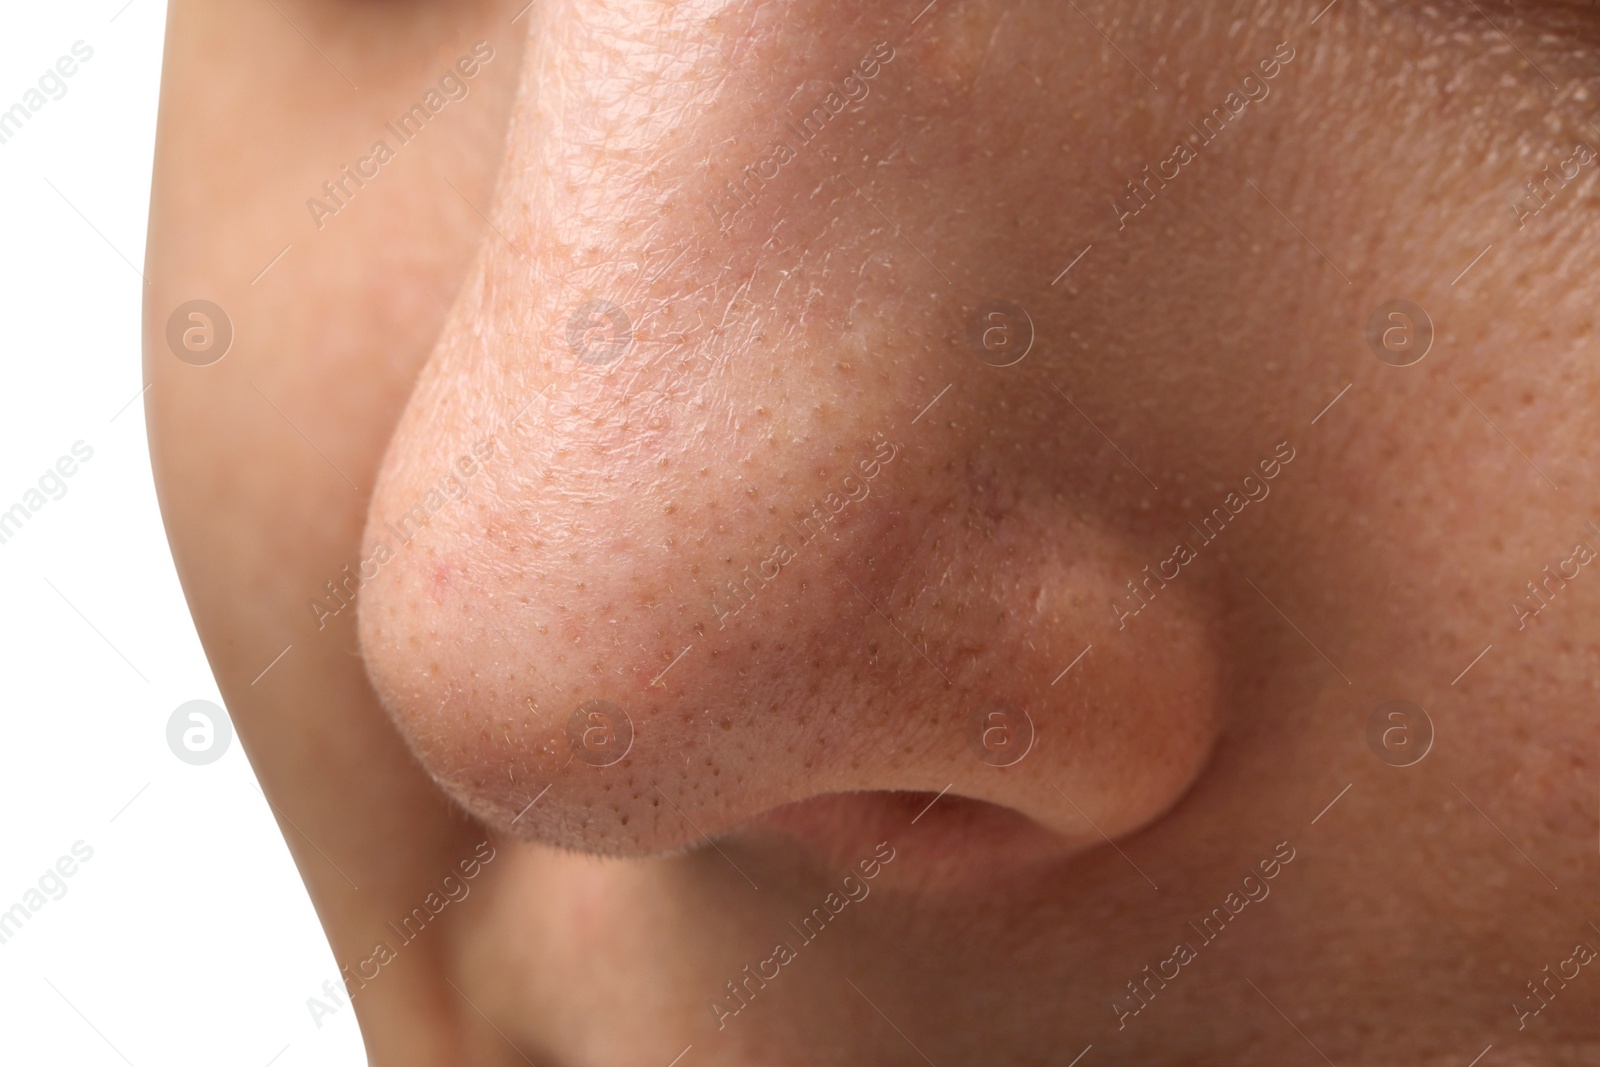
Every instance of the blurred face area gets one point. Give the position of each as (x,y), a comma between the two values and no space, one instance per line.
(992,532)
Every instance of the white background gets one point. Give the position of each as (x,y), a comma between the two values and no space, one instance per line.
(187,937)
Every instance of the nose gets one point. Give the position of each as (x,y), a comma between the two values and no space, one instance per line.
(704,508)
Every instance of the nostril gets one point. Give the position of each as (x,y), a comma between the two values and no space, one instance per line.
(954,837)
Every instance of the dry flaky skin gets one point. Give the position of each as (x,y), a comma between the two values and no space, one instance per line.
(795,371)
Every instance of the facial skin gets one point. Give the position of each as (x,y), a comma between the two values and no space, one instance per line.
(697,537)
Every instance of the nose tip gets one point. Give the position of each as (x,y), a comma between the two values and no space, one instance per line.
(701,654)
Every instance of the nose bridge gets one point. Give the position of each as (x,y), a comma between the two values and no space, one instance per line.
(627,348)
(612,122)
(594,270)
(654,141)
